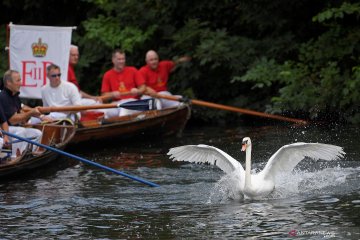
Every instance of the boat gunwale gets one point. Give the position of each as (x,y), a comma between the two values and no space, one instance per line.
(155,117)
(134,119)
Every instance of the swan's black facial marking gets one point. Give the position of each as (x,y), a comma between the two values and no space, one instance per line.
(244,142)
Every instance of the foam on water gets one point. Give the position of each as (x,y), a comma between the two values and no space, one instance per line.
(328,181)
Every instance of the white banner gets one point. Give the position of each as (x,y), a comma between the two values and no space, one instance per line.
(32,49)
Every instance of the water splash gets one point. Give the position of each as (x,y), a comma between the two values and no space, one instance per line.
(226,188)
(329,181)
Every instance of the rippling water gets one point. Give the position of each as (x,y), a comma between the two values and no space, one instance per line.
(68,200)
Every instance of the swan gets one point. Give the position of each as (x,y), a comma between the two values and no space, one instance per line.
(263,183)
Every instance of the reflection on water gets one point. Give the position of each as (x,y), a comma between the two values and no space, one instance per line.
(74,201)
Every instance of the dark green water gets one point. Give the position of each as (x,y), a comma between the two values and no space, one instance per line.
(73,201)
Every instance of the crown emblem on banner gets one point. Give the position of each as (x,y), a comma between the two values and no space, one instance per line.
(39,49)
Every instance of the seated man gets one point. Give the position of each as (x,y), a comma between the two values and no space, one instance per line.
(156,75)
(57,93)
(86,99)
(14,113)
(123,83)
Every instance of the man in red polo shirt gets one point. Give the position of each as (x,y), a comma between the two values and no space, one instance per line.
(156,74)
(123,83)
(73,61)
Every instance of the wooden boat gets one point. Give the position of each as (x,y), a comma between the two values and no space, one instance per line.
(56,135)
(148,123)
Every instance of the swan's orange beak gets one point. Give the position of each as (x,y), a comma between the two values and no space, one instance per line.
(243,147)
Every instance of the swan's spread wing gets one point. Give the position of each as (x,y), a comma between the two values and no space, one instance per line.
(288,156)
(205,154)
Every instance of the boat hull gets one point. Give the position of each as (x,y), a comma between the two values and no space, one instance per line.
(57,136)
(150,123)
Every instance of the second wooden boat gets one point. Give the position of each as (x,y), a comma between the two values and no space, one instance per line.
(148,123)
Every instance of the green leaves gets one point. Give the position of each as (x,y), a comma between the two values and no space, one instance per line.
(338,13)
(263,73)
(110,33)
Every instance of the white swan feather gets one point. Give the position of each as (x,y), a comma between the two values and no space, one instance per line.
(205,154)
(288,156)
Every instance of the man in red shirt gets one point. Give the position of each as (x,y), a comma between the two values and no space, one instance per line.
(123,83)
(73,61)
(156,74)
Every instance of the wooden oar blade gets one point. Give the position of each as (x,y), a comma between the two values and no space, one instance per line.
(140,105)
(233,109)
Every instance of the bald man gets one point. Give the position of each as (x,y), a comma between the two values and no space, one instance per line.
(156,74)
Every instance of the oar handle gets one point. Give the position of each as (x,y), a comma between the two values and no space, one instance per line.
(168,97)
(76,108)
(83,160)
(233,109)
(140,105)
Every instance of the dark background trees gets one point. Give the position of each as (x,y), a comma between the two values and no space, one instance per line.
(298,57)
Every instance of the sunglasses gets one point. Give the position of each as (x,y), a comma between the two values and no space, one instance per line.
(55,75)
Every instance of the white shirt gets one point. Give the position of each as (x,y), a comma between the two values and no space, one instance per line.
(65,94)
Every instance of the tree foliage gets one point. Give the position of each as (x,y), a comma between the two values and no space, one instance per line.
(323,76)
(297,57)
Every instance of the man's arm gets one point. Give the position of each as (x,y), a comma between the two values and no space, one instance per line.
(180,60)
(150,91)
(74,95)
(24,116)
(183,59)
(141,89)
(86,95)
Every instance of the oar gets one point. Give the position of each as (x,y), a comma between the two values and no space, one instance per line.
(17,141)
(82,160)
(140,105)
(233,109)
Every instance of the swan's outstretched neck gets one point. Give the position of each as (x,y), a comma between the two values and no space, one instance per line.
(248,167)
(246,146)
